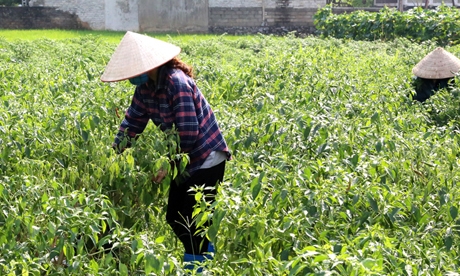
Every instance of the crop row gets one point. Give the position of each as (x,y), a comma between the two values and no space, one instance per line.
(335,171)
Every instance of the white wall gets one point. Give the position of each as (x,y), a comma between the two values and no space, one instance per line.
(115,15)
(176,16)
(90,11)
(122,15)
(158,15)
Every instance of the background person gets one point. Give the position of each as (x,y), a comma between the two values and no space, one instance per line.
(435,71)
(167,94)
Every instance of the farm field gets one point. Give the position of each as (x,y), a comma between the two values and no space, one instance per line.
(335,170)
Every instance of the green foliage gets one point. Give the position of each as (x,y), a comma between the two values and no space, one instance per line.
(441,25)
(57,125)
(362,3)
(350,3)
(9,3)
(335,170)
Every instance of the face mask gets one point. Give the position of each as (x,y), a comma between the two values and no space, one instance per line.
(141,79)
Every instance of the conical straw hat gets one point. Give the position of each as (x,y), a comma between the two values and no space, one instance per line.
(439,64)
(137,54)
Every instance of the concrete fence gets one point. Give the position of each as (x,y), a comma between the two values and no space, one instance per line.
(185,16)
(277,20)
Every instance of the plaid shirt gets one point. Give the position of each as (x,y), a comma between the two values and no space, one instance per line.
(176,100)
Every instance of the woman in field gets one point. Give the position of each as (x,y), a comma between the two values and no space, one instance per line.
(434,72)
(167,94)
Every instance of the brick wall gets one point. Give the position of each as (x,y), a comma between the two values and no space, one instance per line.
(263,16)
(251,20)
(251,17)
(266,3)
(289,16)
(235,3)
(236,17)
(38,18)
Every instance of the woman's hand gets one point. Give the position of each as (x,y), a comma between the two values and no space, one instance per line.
(159,176)
(117,149)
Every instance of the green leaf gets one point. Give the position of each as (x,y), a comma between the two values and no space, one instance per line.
(94,266)
(152,264)
(256,185)
(320,258)
(372,202)
(378,146)
(375,118)
(198,196)
(448,241)
(453,212)
(369,263)
(212,232)
(123,269)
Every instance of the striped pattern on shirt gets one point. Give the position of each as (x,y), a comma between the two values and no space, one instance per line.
(175,101)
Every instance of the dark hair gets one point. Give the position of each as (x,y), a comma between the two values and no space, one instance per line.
(179,64)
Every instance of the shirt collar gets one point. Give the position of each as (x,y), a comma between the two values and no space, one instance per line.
(152,85)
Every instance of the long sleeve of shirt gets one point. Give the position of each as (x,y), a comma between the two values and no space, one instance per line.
(136,118)
(176,102)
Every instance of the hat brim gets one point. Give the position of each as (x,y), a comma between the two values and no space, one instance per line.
(438,64)
(137,54)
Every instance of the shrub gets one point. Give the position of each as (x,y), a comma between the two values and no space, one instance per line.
(441,25)
(9,3)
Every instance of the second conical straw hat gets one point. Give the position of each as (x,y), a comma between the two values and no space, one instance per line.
(439,64)
(137,54)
